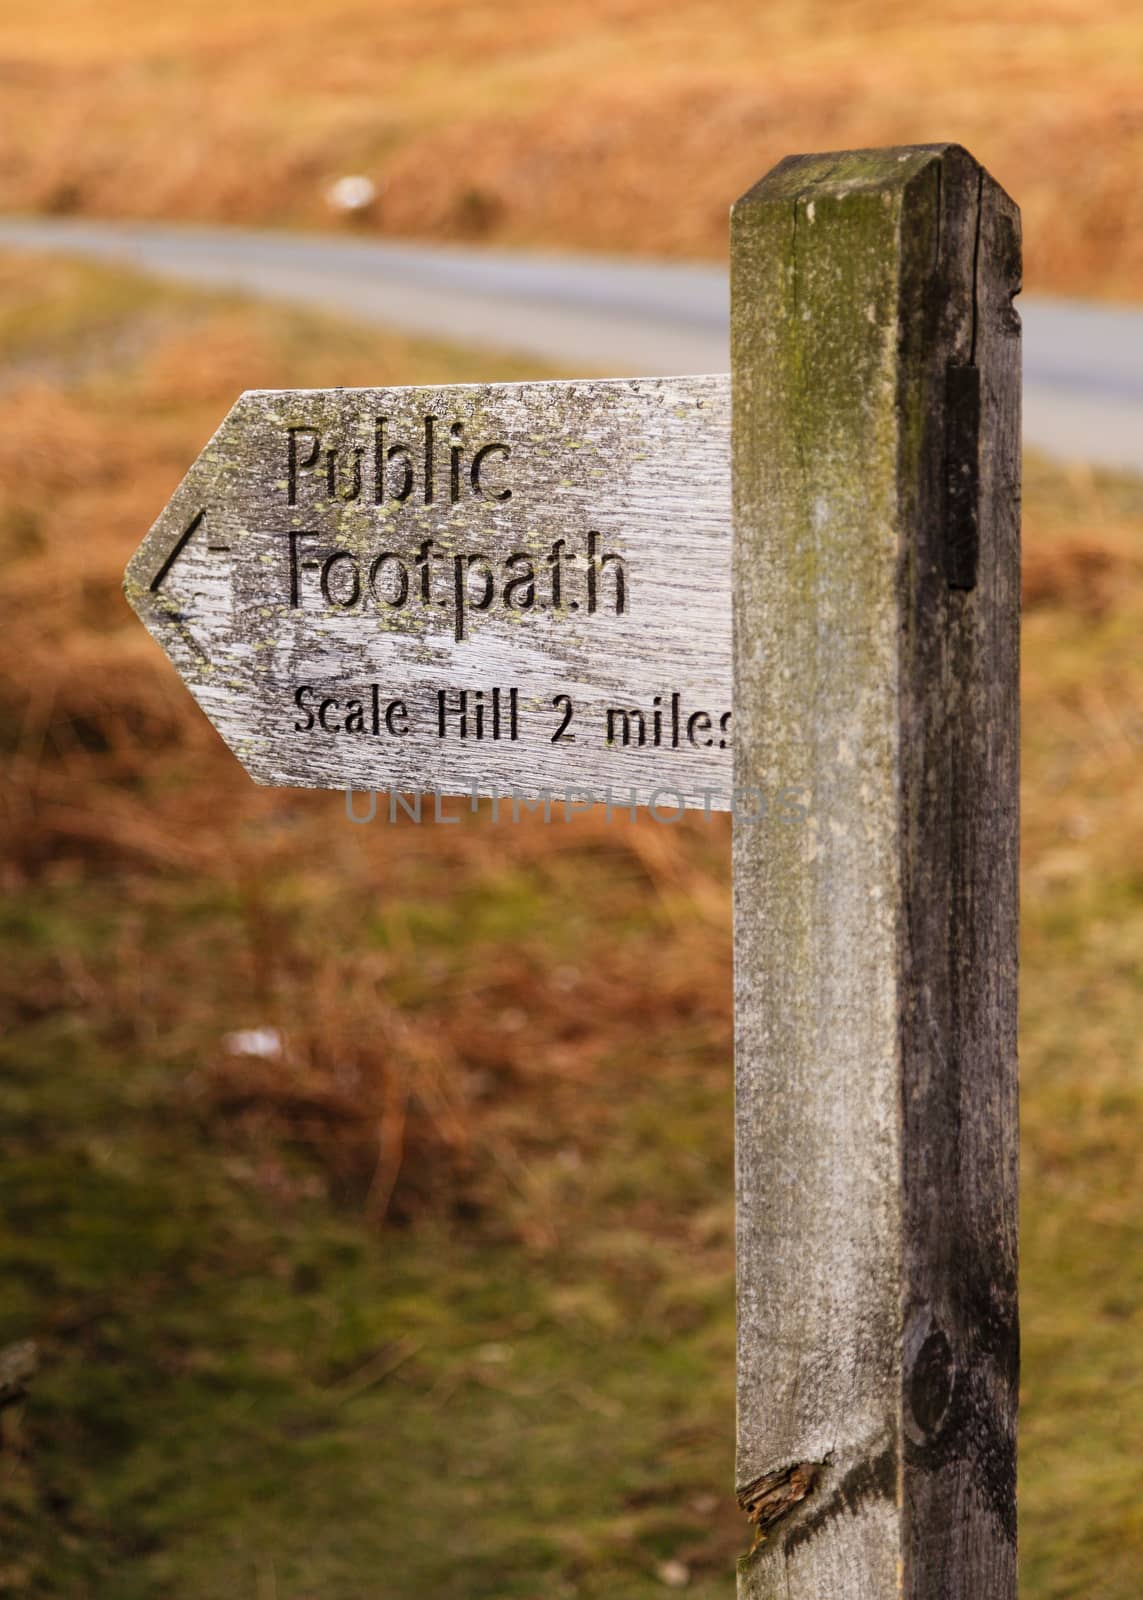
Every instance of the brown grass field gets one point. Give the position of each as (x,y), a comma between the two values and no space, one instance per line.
(445,1291)
(620,125)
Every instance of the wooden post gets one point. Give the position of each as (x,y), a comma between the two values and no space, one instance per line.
(876,440)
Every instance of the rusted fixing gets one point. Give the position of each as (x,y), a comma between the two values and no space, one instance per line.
(774,1494)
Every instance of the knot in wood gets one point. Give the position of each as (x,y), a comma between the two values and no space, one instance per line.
(774,1494)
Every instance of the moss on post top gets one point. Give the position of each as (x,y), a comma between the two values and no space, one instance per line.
(834,174)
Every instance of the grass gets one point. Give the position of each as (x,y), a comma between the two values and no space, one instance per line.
(244,1389)
(439,1299)
(632,124)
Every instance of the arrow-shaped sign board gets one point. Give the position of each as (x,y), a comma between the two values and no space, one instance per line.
(511,589)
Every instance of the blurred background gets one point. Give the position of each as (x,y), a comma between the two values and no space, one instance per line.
(366,1191)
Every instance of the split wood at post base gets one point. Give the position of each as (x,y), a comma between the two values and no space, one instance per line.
(876,398)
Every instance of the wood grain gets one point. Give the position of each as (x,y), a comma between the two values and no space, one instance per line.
(256,580)
(875,357)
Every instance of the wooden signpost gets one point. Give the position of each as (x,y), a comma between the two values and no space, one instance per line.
(504,589)
(528,590)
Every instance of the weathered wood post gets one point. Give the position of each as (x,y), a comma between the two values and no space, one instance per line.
(875,385)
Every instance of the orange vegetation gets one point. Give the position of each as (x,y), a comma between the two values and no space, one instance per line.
(410,1080)
(621,125)
(115,777)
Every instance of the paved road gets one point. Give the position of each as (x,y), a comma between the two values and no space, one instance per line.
(1083,365)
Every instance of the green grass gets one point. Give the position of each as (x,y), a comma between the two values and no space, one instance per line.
(1082,1244)
(244,1390)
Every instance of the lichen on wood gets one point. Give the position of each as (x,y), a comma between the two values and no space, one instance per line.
(875,660)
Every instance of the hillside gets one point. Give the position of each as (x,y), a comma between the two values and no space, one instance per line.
(628,125)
